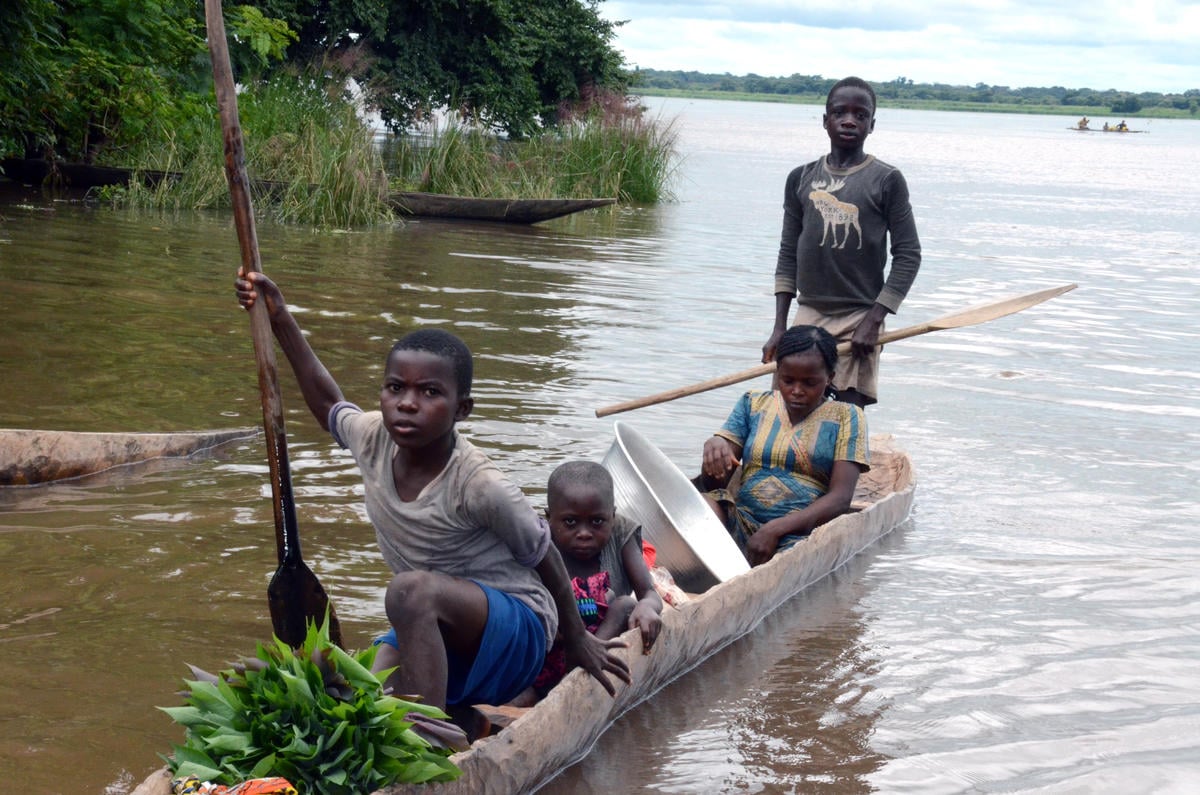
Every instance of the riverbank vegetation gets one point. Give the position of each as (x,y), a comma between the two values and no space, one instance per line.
(310,156)
(904,93)
(607,148)
(534,92)
(313,159)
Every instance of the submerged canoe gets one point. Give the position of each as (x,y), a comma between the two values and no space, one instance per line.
(29,457)
(560,729)
(81,176)
(513,211)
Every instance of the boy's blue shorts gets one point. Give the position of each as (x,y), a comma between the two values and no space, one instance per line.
(511,653)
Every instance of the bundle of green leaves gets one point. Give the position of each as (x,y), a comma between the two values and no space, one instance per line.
(316,716)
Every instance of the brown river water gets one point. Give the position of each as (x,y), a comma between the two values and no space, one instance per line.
(1034,626)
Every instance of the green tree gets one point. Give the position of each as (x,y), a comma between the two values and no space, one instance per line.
(506,64)
(1127,104)
(86,79)
(28,73)
(127,66)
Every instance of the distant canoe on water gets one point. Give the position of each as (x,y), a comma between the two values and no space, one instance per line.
(31,457)
(405,203)
(1109,129)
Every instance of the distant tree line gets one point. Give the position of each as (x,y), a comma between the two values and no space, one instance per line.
(905,89)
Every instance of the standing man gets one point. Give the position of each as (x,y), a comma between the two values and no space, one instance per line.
(838,215)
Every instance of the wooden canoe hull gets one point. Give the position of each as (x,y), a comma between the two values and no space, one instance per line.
(513,211)
(29,457)
(559,731)
(81,176)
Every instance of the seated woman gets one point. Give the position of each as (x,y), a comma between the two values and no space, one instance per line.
(800,451)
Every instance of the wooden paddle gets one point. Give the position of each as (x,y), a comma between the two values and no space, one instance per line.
(294,594)
(967,317)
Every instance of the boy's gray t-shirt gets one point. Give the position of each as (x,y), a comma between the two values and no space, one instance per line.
(470,521)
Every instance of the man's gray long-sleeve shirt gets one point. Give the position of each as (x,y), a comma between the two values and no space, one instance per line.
(834,247)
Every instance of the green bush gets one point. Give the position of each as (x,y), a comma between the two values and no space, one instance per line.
(610,149)
(310,159)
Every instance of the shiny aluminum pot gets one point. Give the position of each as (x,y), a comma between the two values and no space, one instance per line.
(690,540)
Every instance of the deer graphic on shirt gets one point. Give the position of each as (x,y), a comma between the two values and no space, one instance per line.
(834,213)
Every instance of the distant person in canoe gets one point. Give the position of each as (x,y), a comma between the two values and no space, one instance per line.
(1083,123)
(602,551)
(1122,126)
(478,591)
(840,214)
(787,460)
(1106,127)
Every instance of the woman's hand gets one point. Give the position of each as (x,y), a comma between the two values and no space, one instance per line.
(720,458)
(761,546)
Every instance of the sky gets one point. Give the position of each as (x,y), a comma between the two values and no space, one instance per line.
(1147,45)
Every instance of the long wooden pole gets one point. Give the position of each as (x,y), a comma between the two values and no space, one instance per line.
(967,317)
(295,595)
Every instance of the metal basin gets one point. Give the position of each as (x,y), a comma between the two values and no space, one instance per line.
(690,539)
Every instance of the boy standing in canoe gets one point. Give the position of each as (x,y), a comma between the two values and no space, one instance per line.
(478,590)
(838,215)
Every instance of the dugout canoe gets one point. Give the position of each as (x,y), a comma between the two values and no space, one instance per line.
(1109,129)
(30,457)
(543,740)
(80,176)
(469,208)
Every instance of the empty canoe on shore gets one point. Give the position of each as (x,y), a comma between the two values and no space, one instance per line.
(29,457)
(557,732)
(513,211)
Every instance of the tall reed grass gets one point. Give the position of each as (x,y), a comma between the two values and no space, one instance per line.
(311,159)
(611,149)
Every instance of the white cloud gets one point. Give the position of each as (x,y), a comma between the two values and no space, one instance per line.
(1146,46)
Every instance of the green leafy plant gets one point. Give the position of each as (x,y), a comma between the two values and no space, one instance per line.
(316,716)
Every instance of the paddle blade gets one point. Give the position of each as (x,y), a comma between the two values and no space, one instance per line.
(993,310)
(296,597)
(967,317)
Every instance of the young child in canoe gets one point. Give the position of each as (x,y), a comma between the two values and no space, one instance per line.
(478,591)
(799,450)
(603,555)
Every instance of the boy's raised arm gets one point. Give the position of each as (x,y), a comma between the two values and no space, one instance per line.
(320,391)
